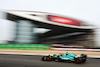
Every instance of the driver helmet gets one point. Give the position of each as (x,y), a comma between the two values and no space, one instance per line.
(66,53)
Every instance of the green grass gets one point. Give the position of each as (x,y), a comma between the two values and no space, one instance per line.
(25,46)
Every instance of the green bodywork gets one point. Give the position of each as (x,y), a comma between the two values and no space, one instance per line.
(68,56)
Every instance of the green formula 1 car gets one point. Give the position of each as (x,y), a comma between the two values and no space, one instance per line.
(66,57)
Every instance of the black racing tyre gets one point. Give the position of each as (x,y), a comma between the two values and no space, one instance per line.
(78,60)
(83,57)
(83,61)
(48,58)
(43,58)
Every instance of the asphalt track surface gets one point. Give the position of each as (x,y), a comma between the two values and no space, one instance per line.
(35,61)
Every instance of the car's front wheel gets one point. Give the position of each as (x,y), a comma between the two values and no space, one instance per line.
(84,57)
(43,58)
(46,58)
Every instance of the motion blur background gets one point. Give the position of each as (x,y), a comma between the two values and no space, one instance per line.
(85,10)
